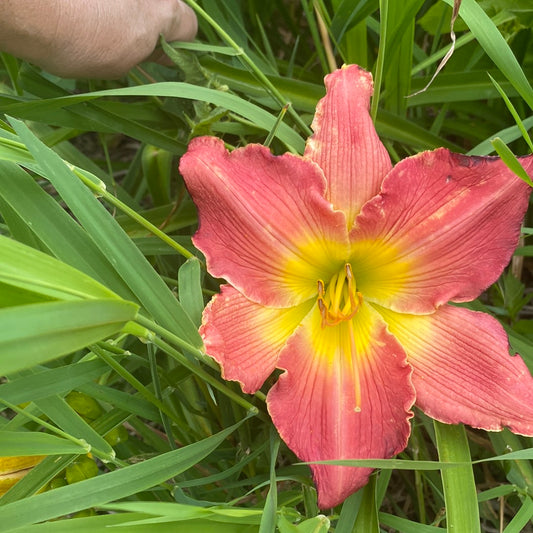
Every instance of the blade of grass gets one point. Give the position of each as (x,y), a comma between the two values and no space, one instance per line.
(462,511)
(496,47)
(35,333)
(190,289)
(367,517)
(37,478)
(406,526)
(34,109)
(248,62)
(349,512)
(130,522)
(111,239)
(35,271)
(378,73)
(268,518)
(63,416)
(507,135)
(513,112)
(15,443)
(46,382)
(522,518)
(83,446)
(109,487)
(55,228)
(510,160)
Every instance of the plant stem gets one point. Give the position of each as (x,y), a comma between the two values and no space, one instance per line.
(462,510)
(85,447)
(378,74)
(100,190)
(192,366)
(132,380)
(252,66)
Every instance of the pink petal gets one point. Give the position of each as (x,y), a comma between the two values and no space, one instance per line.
(315,404)
(443,228)
(245,338)
(345,143)
(462,370)
(264,223)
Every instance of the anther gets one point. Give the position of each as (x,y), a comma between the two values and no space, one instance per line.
(340,301)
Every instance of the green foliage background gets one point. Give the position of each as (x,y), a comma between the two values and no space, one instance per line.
(101,291)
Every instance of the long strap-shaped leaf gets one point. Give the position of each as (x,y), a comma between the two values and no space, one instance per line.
(257,115)
(128,261)
(35,333)
(496,47)
(31,270)
(108,487)
(24,204)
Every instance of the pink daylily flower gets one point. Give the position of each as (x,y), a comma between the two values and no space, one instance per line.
(340,270)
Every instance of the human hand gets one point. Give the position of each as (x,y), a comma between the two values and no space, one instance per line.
(95,38)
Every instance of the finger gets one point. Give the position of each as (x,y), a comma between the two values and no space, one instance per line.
(185,24)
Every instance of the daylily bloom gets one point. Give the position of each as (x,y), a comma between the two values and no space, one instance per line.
(13,469)
(341,270)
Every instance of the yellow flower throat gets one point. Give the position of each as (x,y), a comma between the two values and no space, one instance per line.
(339,301)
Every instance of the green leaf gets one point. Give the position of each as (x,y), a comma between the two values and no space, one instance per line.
(11,296)
(269,516)
(348,14)
(513,112)
(522,518)
(35,333)
(62,414)
(164,511)
(37,478)
(510,160)
(47,382)
(349,512)
(132,523)
(190,289)
(15,443)
(406,526)
(251,112)
(507,135)
(496,47)
(55,228)
(31,270)
(108,487)
(128,261)
(157,169)
(367,517)
(121,400)
(317,524)
(462,512)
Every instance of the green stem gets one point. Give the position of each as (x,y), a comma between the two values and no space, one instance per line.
(174,339)
(252,66)
(378,74)
(157,389)
(132,380)
(462,510)
(100,190)
(86,447)
(192,366)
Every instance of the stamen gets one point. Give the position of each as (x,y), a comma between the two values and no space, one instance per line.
(338,286)
(321,304)
(339,301)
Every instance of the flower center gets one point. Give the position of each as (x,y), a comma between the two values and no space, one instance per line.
(340,300)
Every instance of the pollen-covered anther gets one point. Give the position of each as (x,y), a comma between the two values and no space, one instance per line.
(339,301)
